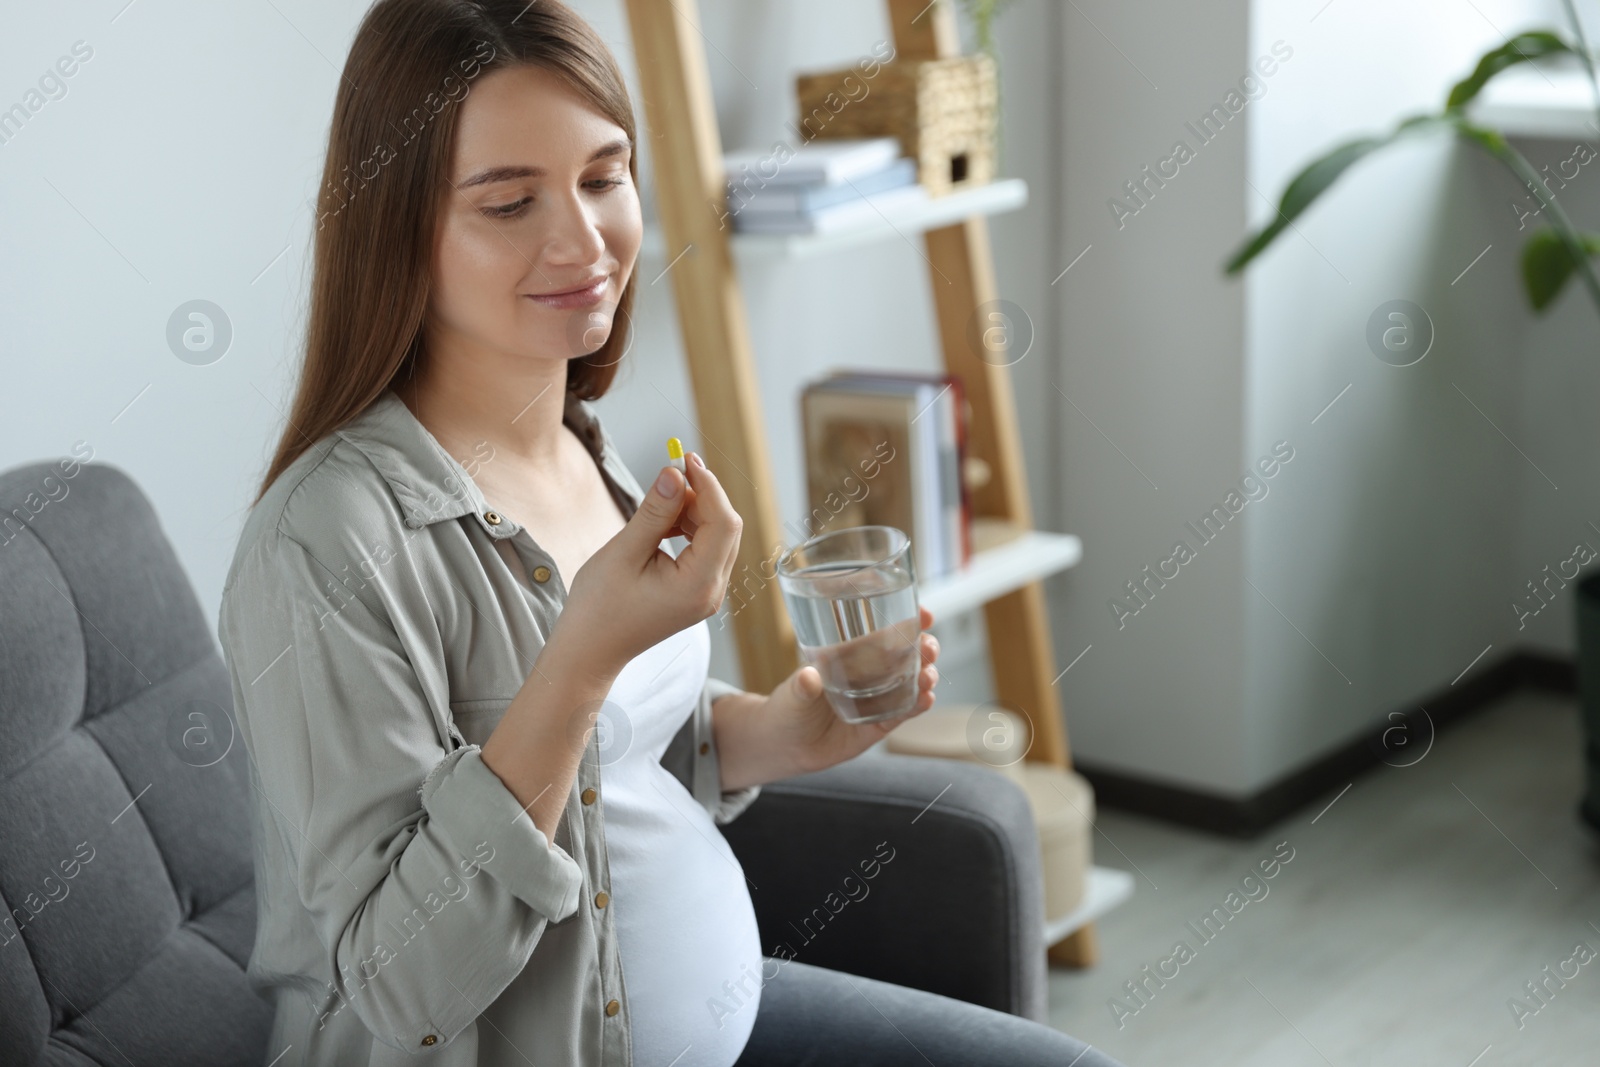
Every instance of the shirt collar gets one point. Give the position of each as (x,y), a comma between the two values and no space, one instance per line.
(429,483)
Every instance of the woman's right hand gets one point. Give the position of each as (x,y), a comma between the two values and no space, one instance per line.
(631,594)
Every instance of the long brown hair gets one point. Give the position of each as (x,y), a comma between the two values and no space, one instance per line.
(388,161)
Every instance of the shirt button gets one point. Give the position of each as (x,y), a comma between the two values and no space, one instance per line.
(601,898)
(492,518)
(612,1007)
(430,1040)
(705,746)
(541,574)
(588,796)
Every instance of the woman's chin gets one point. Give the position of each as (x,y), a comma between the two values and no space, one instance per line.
(587,334)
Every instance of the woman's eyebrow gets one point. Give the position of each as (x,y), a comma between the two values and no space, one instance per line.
(506,173)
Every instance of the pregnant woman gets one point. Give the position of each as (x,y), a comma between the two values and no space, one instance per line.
(487,758)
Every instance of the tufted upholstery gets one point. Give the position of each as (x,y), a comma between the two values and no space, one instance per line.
(128,922)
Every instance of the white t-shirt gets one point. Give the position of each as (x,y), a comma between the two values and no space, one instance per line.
(686,929)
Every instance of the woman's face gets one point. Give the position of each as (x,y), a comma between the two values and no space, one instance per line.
(542,204)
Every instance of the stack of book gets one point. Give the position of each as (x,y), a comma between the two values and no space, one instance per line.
(821,187)
(888,449)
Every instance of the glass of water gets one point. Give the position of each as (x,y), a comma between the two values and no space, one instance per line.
(852,595)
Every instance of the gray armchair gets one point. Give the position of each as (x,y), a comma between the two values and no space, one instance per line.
(958,909)
(125,860)
(125,863)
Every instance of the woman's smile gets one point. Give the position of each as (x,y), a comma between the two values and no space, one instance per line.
(574,298)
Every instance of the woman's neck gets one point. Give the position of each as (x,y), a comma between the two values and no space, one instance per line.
(518,409)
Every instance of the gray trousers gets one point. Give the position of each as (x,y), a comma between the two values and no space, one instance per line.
(815,1017)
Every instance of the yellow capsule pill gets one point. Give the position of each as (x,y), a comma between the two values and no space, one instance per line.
(675,453)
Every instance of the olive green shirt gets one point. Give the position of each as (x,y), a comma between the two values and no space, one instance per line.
(377,618)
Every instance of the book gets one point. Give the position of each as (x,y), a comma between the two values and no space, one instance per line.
(929,463)
(862,458)
(830,161)
(779,199)
(861,211)
(886,448)
(952,417)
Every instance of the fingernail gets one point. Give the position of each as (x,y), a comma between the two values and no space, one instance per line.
(664,483)
(695,457)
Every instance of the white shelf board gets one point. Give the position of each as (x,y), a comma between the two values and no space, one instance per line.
(1106,888)
(994,572)
(1006,194)
(1554,101)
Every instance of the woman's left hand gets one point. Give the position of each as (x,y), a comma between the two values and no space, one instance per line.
(804,726)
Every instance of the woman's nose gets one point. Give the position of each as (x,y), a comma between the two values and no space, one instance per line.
(573,232)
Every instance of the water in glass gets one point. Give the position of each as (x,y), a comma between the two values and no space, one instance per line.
(856,622)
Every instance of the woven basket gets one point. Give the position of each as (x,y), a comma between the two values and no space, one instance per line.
(942,110)
(1063,812)
(994,736)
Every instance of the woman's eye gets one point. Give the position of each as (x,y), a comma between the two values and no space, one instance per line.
(506,211)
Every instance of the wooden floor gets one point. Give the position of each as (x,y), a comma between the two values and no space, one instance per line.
(1413,912)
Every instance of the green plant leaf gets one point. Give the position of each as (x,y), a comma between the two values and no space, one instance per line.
(1535,44)
(1550,258)
(1547,265)
(1575,244)
(1315,179)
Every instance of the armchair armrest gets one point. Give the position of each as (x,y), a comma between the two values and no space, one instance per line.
(915,870)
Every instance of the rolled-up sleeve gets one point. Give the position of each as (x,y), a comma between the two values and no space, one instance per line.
(692,757)
(469,801)
(425,881)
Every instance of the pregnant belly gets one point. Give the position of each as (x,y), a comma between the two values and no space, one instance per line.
(691,951)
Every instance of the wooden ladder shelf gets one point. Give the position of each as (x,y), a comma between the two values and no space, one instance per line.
(687,152)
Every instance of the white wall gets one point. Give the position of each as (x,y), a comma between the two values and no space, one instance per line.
(177,166)
(1380,561)
(1153,359)
(1389,538)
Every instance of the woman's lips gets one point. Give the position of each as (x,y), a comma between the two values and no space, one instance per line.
(581,298)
